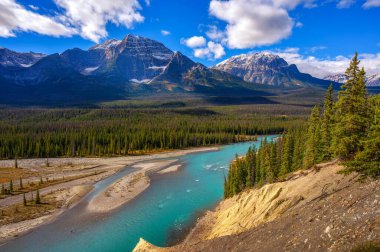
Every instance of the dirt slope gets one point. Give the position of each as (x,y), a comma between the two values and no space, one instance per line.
(315,210)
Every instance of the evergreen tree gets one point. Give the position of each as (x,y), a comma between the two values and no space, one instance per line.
(327,124)
(367,161)
(16,164)
(312,152)
(11,186)
(2,189)
(352,118)
(24,200)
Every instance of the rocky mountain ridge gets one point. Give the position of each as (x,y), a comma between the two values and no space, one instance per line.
(373,80)
(267,68)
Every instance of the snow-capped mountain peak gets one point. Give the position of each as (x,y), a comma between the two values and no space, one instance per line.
(112,43)
(372,80)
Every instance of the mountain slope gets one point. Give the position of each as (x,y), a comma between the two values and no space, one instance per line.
(9,58)
(267,68)
(191,76)
(129,67)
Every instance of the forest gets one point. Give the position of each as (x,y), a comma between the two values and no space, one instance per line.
(136,129)
(347,129)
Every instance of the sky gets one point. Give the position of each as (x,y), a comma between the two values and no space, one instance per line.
(319,36)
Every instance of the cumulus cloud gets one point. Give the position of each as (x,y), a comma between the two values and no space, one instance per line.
(252,23)
(323,67)
(215,34)
(342,4)
(194,42)
(165,32)
(15,17)
(91,17)
(371,4)
(86,18)
(212,51)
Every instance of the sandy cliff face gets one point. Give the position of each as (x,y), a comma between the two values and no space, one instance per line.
(316,209)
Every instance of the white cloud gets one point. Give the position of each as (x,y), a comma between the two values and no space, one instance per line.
(91,17)
(299,25)
(212,51)
(86,18)
(317,48)
(323,67)
(14,17)
(194,42)
(342,4)
(165,32)
(252,23)
(215,34)
(33,7)
(371,4)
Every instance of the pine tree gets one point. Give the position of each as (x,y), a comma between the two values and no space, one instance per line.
(11,186)
(367,161)
(24,200)
(351,112)
(38,199)
(16,164)
(2,189)
(327,124)
(313,139)
(287,156)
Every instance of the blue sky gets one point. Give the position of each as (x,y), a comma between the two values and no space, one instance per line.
(316,35)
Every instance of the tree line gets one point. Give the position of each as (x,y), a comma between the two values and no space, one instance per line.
(347,129)
(28,133)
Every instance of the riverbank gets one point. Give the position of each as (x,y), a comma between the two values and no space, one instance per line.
(18,219)
(316,210)
(93,171)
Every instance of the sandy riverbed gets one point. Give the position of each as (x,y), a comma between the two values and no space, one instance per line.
(119,193)
(128,187)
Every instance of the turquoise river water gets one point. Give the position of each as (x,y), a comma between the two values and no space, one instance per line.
(160,215)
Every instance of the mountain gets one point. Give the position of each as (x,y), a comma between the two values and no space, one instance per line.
(9,58)
(372,80)
(267,68)
(111,70)
(184,72)
(340,78)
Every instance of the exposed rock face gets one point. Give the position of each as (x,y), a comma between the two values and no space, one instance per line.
(9,58)
(265,68)
(133,58)
(136,58)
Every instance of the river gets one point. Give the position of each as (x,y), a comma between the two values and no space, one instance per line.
(164,212)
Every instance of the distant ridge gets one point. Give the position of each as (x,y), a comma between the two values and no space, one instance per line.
(267,68)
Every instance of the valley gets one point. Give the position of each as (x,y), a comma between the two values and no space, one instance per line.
(220,125)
